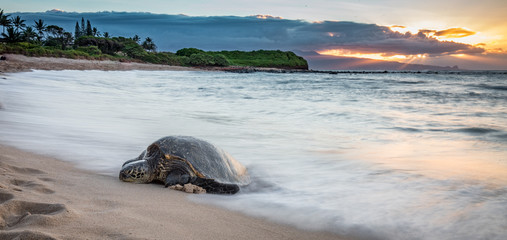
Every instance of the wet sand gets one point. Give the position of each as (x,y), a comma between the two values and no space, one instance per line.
(45,198)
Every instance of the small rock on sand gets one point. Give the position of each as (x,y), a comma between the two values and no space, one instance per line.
(188,188)
(176,187)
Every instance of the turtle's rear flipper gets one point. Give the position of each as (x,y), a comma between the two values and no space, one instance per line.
(213,186)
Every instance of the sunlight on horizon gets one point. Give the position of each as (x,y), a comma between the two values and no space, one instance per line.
(460,35)
(374,56)
(490,41)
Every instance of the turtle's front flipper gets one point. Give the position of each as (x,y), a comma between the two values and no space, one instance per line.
(213,186)
(177,177)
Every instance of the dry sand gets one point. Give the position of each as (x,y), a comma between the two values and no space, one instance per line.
(44,198)
(20,63)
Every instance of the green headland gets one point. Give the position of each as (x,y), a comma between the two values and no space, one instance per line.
(41,40)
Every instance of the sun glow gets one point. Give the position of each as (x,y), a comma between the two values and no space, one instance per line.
(489,41)
(404,29)
(265,16)
(374,56)
(443,33)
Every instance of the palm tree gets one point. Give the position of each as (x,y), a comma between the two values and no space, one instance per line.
(12,35)
(18,23)
(106,34)
(41,27)
(4,20)
(136,38)
(29,34)
(149,45)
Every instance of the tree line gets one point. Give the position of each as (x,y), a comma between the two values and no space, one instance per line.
(15,29)
(88,42)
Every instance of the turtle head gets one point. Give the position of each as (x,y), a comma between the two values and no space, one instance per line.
(136,172)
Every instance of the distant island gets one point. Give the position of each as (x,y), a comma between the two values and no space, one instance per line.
(87,42)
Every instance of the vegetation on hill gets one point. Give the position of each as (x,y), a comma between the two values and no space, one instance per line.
(264,58)
(88,43)
(260,58)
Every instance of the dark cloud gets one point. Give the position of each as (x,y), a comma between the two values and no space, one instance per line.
(173,32)
(371,38)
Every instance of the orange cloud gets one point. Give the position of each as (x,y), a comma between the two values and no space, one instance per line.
(428,32)
(264,16)
(454,33)
(374,56)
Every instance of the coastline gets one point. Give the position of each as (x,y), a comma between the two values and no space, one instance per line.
(21,63)
(44,198)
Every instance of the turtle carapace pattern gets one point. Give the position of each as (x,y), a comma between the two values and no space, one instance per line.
(182,159)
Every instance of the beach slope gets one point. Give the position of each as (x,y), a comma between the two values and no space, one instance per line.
(45,198)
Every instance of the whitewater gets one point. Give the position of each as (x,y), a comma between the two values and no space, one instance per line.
(370,156)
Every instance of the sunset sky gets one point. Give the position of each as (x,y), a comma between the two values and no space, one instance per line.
(476,31)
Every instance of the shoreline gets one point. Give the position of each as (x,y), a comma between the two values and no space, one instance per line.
(42,197)
(20,63)
(45,198)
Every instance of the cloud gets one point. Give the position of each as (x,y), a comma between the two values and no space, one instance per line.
(56,10)
(173,32)
(263,16)
(454,33)
(371,38)
(449,33)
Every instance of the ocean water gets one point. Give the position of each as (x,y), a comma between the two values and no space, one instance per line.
(370,156)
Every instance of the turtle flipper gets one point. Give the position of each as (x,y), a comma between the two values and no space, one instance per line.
(213,186)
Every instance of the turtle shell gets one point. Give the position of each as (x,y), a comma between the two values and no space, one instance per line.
(207,160)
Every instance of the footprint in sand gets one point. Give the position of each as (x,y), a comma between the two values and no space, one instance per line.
(22,170)
(27,170)
(15,214)
(25,235)
(31,185)
(4,197)
(46,179)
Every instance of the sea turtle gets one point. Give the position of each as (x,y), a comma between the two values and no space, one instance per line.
(182,159)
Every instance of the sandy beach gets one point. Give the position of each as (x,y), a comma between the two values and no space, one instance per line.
(45,198)
(20,63)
